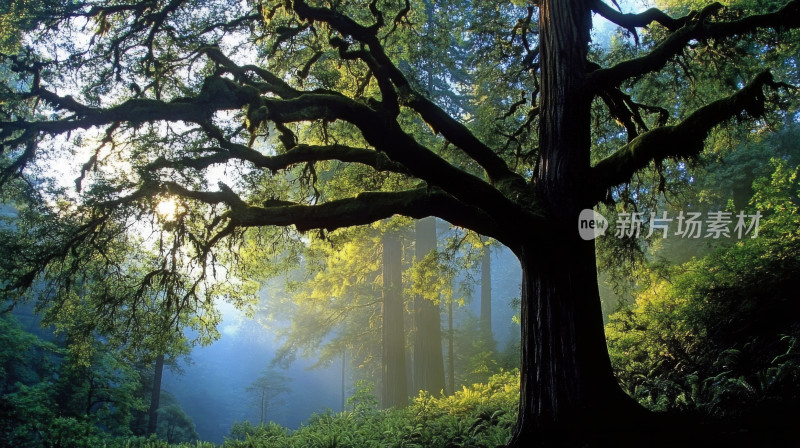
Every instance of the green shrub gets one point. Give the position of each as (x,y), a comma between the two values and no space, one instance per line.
(481,415)
(718,335)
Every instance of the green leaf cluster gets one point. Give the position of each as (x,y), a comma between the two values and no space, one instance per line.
(55,396)
(480,415)
(716,334)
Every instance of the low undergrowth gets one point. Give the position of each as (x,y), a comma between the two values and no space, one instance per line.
(479,416)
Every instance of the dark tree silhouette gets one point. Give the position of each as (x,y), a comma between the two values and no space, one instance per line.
(155,396)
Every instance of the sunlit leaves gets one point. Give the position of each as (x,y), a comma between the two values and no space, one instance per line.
(705,334)
(478,414)
(431,279)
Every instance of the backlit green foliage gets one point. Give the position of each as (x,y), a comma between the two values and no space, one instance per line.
(477,416)
(56,395)
(716,334)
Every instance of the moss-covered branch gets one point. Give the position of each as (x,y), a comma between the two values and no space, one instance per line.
(299,154)
(386,71)
(682,140)
(364,208)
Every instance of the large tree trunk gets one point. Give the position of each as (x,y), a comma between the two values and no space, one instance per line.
(428,359)
(395,393)
(568,391)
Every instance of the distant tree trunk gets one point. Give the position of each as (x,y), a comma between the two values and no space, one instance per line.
(152,420)
(451,368)
(742,192)
(394,391)
(409,358)
(344,353)
(263,406)
(486,291)
(428,360)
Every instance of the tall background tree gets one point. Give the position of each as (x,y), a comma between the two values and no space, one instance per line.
(427,357)
(393,337)
(250,115)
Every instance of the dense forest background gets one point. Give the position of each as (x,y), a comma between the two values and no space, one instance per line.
(210,384)
(181,294)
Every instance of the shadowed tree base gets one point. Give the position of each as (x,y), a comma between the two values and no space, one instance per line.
(626,426)
(616,415)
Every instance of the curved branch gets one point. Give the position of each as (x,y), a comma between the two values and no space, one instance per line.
(385,135)
(273,83)
(389,99)
(695,29)
(629,113)
(380,131)
(218,94)
(496,168)
(369,207)
(299,154)
(364,208)
(640,20)
(682,140)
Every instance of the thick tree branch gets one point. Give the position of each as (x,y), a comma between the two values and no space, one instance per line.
(698,28)
(332,106)
(682,140)
(458,134)
(299,154)
(380,131)
(389,99)
(629,113)
(272,83)
(218,94)
(640,20)
(386,135)
(369,207)
(364,208)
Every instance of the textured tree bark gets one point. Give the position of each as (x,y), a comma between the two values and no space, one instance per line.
(394,391)
(565,108)
(428,359)
(152,419)
(568,392)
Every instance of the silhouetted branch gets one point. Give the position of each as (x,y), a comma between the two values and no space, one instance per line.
(640,20)
(365,208)
(384,70)
(697,28)
(299,154)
